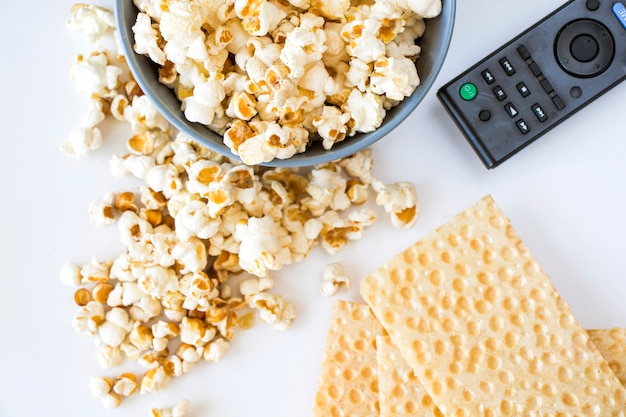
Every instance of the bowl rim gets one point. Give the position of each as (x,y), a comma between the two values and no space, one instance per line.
(348,147)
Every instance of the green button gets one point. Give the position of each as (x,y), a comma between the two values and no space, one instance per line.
(468,91)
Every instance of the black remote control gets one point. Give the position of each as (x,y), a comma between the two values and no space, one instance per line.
(540,78)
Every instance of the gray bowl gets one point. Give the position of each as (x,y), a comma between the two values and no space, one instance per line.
(435,43)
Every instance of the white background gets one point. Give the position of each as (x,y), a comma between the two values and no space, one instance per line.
(564,194)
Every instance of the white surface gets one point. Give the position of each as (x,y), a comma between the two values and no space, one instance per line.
(564,194)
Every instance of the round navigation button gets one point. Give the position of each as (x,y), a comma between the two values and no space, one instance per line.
(584,48)
(468,91)
(484,115)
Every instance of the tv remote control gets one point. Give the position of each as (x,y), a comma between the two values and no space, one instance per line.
(539,78)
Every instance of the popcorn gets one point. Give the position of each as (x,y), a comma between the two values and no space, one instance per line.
(93,21)
(366,109)
(147,39)
(102,213)
(179,410)
(70,274)
(95,76)
(115,328)
(396,78)
(400,200)
(125,385)
(333,278)
(101,389)
(195,219)
(273,310)
(82,140)
(95,271)
(155,380)
(89,318)
(263,245)
(199,218)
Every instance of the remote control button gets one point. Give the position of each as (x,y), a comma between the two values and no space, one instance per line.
(468,91)
(592,5)
(510,109)
(522,126)
(620,12)
(484,115)
(499,93)
(576,92)
(547,87)
(507,66)
(534,68)
(558,102)
(541,115)
(523,52)
(488,76)
(523,90)
(584,48)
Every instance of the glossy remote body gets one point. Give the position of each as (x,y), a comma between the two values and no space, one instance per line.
(539,78)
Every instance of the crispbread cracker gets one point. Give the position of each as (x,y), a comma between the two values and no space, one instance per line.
(612,345)
(348,381)
(401,394)
(485,330)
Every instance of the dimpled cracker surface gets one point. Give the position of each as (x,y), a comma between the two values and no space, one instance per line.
(348,381)
(612,344)
(401,393)
(483,327)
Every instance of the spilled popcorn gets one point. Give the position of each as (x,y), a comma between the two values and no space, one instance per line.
(273,76)
(197,219)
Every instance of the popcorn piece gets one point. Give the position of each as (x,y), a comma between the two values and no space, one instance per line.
(196,332)
(263,245)
(109,356)
(304,45)
(93,21)
(115,328)
(359,165)
(191,255)
(125,385)
(88,319)
(331,126)
(216,349)
(101,390)
(195,219)
(399,200)
(179,410)
(157,281)
(338,231)
(147,39)
(82,140)
(102,213)
(396,78)
(273,310)
(333,278)
(94,76)
(70,275)
(366,109)
(155,380)
(132,228)
(95,271)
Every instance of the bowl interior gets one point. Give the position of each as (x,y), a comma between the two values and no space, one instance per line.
(434,43)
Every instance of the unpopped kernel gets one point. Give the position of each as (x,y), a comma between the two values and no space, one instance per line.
(197,219)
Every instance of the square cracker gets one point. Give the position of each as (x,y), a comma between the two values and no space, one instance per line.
(348,380)
(484,329)
(401,394)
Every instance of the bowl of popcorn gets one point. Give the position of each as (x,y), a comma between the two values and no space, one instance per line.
(285,83)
